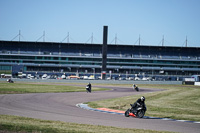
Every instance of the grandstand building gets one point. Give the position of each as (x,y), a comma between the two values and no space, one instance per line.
(37,58)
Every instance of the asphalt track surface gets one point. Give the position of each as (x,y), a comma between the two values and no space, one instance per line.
(62,107)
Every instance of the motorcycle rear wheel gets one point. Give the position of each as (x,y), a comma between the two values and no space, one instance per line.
(136,88)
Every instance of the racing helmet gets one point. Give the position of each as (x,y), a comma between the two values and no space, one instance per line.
(142,98)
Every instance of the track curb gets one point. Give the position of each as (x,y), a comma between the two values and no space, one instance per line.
(85,106)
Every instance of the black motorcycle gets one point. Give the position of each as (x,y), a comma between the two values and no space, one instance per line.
(138,111)
(10,81)
(88,89)
(135,87)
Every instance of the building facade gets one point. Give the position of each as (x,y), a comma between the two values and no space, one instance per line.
(86,59)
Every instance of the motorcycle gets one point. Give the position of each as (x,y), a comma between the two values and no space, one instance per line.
(135,87)
(138,111)
(10,81)
(88,89)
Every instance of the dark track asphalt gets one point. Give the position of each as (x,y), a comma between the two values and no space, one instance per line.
(62,107)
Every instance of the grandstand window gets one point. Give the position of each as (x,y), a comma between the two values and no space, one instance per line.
(39,57)
(55,58)
(46,53)
(5,67)
(47,58)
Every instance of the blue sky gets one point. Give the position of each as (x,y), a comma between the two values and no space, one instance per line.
(151,19)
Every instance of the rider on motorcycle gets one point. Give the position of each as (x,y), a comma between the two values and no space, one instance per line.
(10,80)
(89,89)
(139,102)
(135,87)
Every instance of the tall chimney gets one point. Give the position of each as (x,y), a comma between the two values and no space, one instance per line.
(104,52)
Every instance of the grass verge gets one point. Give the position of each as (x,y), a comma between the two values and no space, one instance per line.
(177,102)
(16,88)
(16,124)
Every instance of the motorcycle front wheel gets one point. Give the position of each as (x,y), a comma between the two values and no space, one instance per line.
(127,113)
(140,113)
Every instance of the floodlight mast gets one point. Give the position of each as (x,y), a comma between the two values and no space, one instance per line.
(43,36)
(139,40)
(18,35)
(91,38)
(186,41)
(115,39)
(68,38)
(163,40)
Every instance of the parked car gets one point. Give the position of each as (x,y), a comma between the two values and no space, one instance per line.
(137,78)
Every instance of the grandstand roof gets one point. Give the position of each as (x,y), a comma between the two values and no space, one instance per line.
(89,44)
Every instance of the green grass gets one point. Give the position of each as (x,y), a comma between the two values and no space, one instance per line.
(16,88)
(176,102)
(16,124)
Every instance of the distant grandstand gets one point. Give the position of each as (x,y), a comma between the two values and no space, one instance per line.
(81,59)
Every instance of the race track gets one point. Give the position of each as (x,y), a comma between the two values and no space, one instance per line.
(62,107)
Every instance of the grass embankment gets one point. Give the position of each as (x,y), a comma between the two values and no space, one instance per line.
(176,102)
(20,88)
(16,124)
